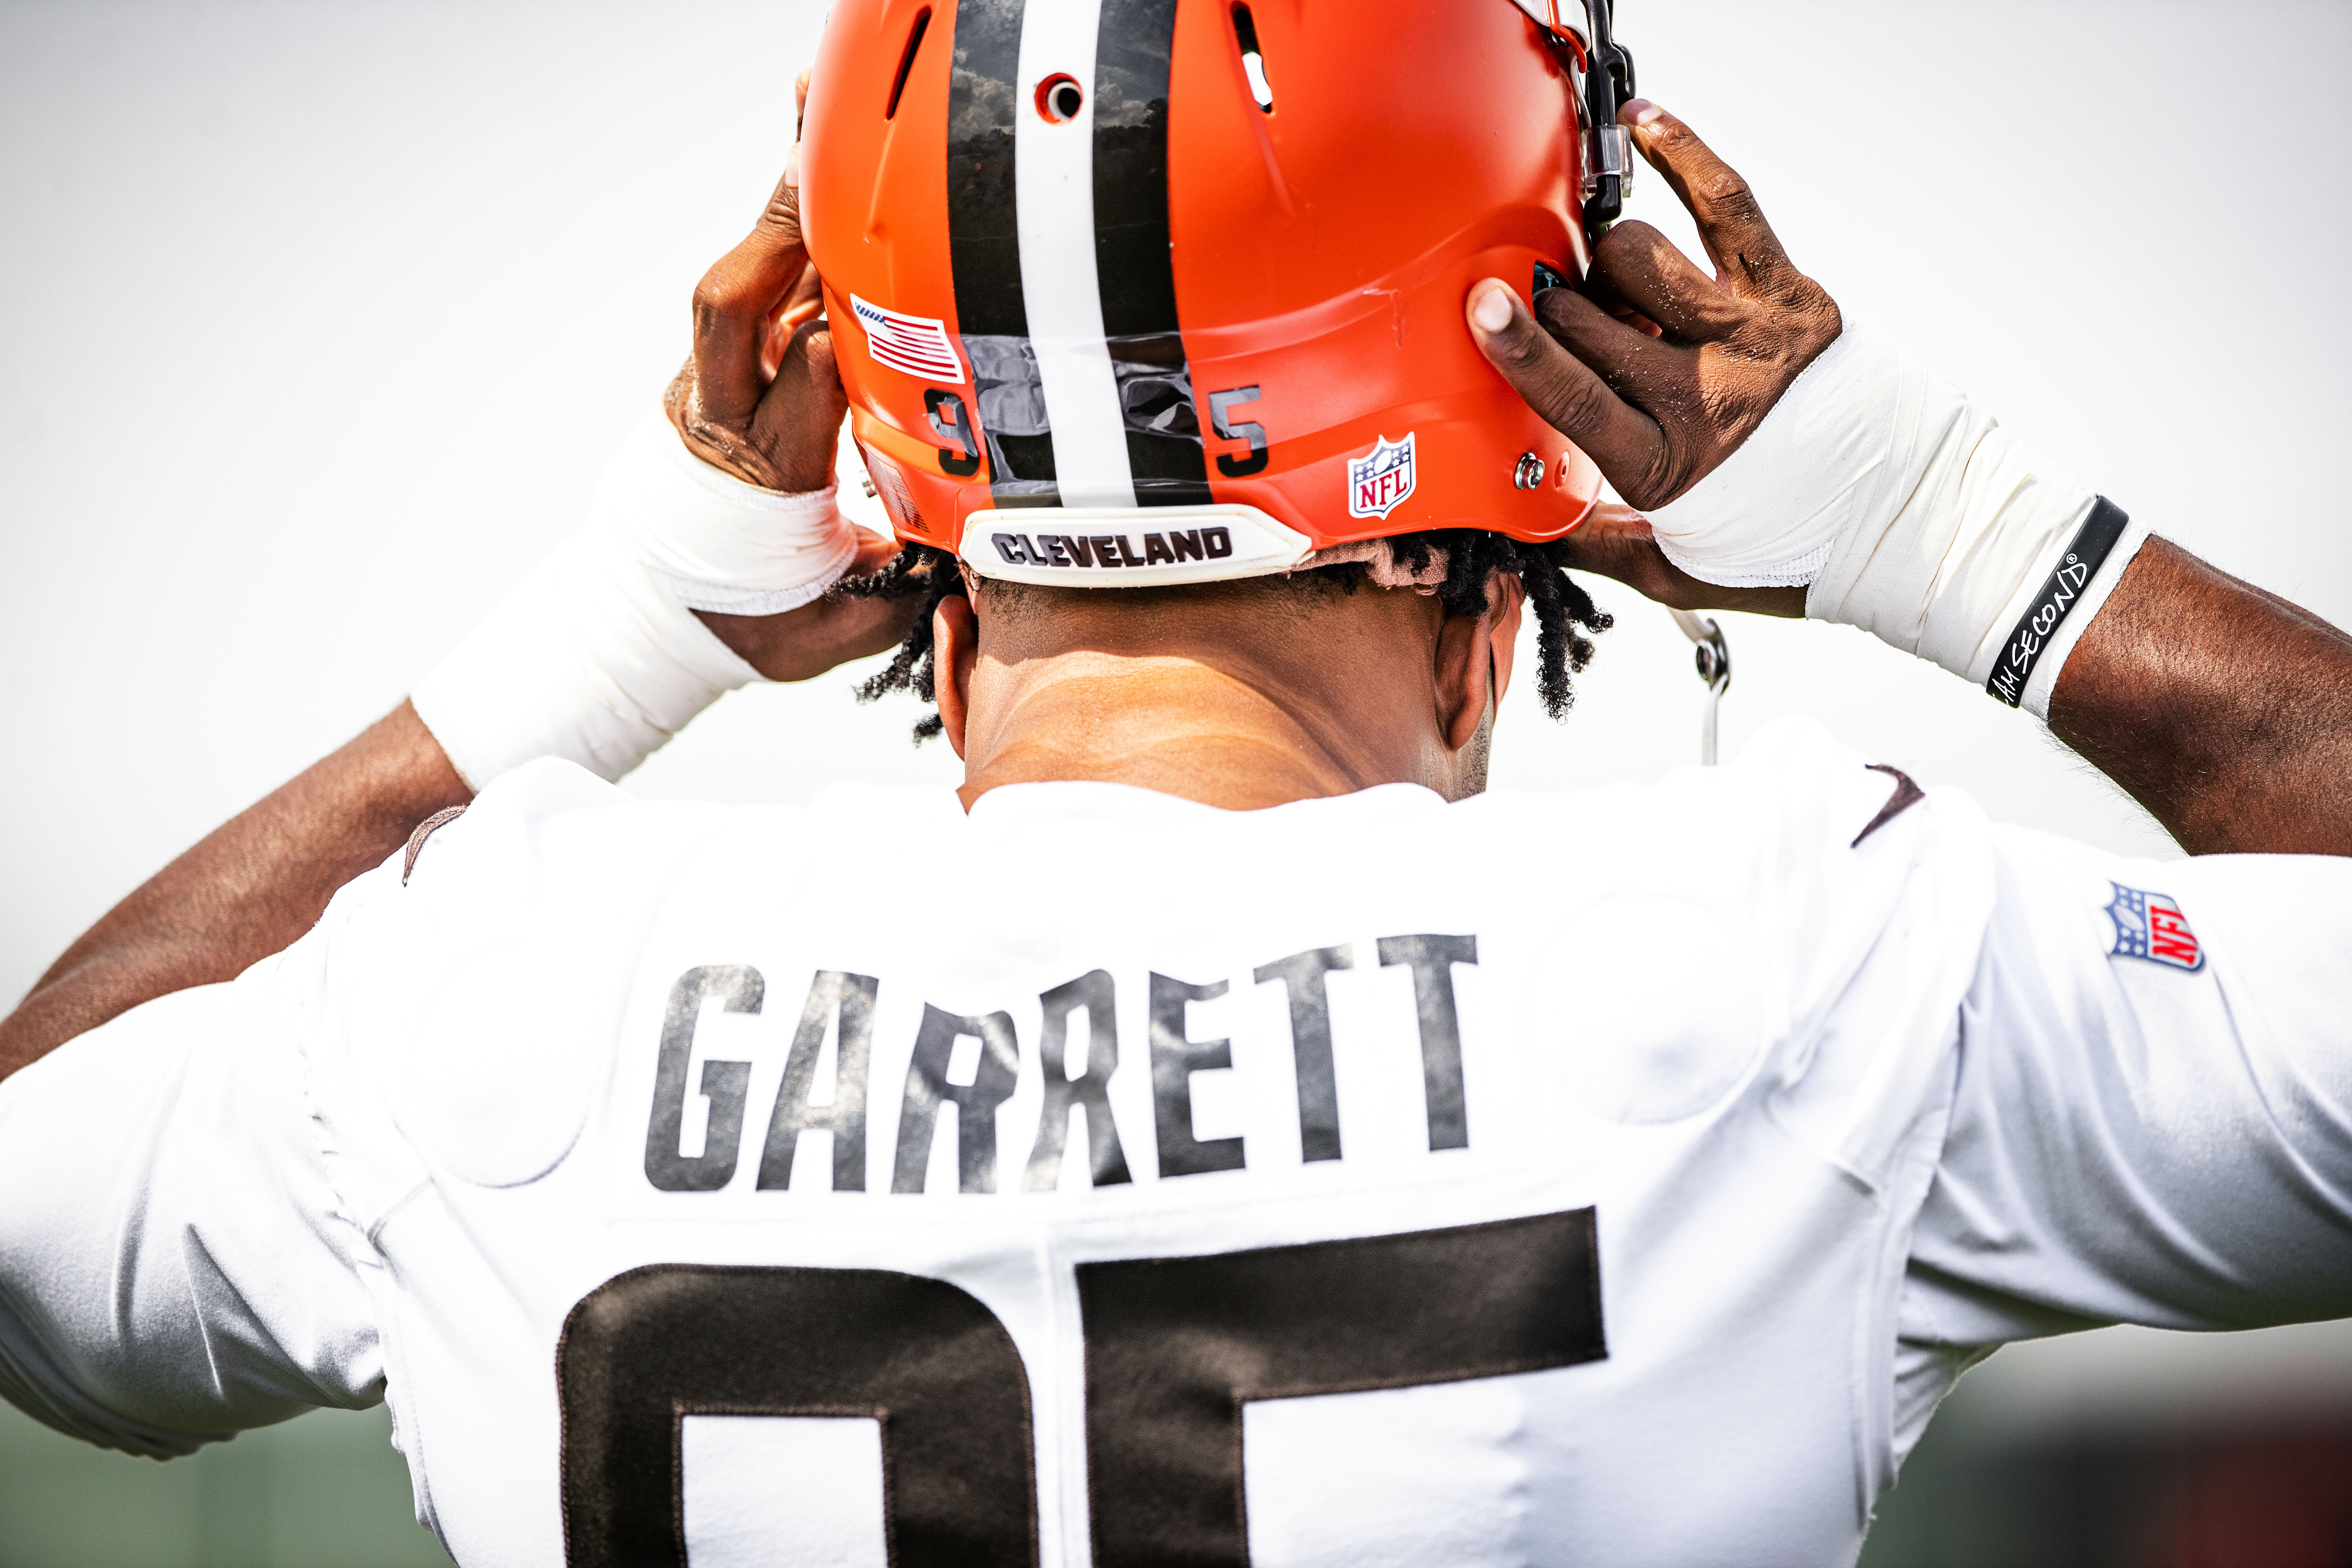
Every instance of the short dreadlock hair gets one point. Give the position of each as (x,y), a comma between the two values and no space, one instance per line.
(1564,612)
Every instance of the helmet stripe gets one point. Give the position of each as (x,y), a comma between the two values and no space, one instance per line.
(1055,198)
(1138,276)
(1058,237)
(985,247)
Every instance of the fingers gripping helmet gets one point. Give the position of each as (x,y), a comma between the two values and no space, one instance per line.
(1127,291)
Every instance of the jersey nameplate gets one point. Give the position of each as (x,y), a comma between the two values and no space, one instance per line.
(842,1004)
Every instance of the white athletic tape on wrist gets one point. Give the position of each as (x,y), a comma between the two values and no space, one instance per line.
(595,656)
(1771,515)
(588,657)
(1903,508)
(723,545)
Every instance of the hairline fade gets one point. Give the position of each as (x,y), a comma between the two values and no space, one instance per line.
(1564,612)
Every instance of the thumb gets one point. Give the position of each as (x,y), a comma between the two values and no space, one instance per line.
(1562,389)
(800,121)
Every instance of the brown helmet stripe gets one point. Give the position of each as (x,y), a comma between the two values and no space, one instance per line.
(1132,266)
(984,246)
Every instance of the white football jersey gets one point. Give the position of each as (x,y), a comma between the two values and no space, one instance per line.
(1103,1178)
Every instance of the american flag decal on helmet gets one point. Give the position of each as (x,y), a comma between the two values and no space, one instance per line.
(2151,926)
(915,344)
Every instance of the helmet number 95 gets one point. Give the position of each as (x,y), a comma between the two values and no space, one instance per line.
(1248,430)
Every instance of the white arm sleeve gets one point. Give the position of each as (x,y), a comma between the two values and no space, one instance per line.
(2132,1140)
(596,657)
(174,1264)
(1906,509)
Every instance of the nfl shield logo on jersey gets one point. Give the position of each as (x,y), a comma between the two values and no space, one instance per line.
(1377,484)
(2151,926)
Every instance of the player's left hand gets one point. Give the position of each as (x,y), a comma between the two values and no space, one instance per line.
(759,397)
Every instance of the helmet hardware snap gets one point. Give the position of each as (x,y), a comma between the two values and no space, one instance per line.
(1529,473)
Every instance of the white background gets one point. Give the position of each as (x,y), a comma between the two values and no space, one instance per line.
(317,323)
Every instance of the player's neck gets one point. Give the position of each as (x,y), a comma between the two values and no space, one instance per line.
(1208,733)
(1223,704)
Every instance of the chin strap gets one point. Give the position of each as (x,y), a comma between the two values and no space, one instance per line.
(1713,659)
(1604,70)
(1608,88)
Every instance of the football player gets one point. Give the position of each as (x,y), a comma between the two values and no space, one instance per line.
(1221,1131)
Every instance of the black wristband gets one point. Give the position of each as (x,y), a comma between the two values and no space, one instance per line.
(2092,543)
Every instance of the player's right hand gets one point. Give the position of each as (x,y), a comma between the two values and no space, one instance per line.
(1660,413)
(1615,542)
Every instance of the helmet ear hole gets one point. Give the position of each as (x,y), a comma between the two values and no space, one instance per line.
(1059,98)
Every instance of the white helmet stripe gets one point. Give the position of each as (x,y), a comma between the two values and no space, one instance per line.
(1054,189)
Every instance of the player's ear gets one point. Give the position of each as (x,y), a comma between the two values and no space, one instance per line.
(955,648)
(1509,596)
(1474,660)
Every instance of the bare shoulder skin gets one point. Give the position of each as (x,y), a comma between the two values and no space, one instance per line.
(2223,709)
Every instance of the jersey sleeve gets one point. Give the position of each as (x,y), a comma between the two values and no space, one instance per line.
(189,1193)
(2152,1119)
(173,1266)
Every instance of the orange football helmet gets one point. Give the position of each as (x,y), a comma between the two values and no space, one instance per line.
(1127,291)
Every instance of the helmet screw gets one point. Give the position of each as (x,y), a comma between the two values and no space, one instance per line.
(1529,473)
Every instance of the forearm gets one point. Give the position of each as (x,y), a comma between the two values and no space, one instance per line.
(705,565)
(1770,445)
(261,879)
(244,891)
(2224,710)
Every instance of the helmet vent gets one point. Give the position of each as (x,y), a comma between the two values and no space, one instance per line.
(1252,58)
(1059,98)
(906,60)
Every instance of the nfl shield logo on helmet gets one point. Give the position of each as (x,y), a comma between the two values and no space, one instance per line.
(1379,484)
(2151,926)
